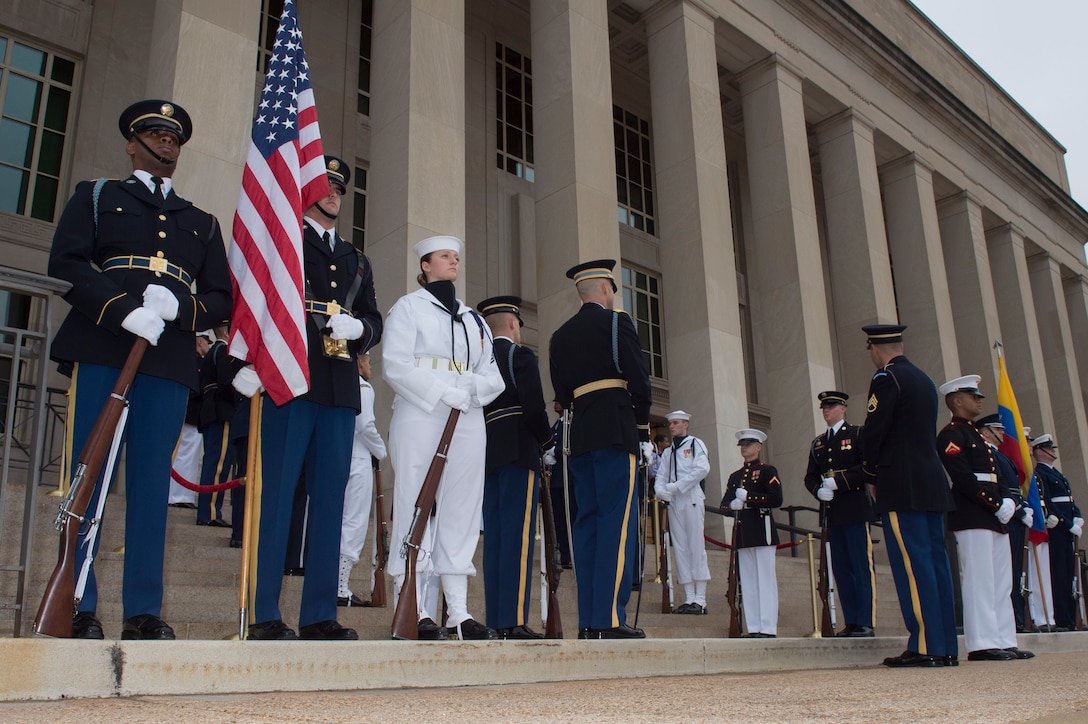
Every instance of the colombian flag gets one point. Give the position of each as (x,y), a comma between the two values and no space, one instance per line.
(1015,445)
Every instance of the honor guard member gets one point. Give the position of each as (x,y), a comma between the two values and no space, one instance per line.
(133,250)
(218,404)
(1064,525)
(752,491)
(978,523)
(598,372)
(1008,477)
(910,493)
(835,477)
(311,435)
(681,472)
(517,432)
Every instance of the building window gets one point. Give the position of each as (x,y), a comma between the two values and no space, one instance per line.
(366,33)
(634,171)
(271,10)
(358,217)
(36,88)
(514,112)
(642,300)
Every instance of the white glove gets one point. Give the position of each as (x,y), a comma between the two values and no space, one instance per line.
(457,398)
(247,382)
(345,326)
(830,484)
(549,456)
(1079,522)
(825,494)
(736,504)
(1051,521)
(1004,513)
(1076,531)
(161,301)
(647,450)
(467,382)
(145,323)
(665,496)
(1027,517)
(742,494)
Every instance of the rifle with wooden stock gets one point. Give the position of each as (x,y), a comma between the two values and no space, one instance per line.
(823,582)
(59,603)
(663,558)
(553,627)
(733,593)
(381,540)
(406,615)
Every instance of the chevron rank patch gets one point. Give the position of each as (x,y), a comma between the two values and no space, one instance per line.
(872,404)
(952,449)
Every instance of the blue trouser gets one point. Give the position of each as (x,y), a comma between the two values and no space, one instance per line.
(156,411)
(215,468)
(1062,562)
(511,494)
(852,562)
(1017,534)
(923,580)
(604,481)
(301,434)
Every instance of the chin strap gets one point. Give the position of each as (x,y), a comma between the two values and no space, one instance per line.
(331,217)
(160,159)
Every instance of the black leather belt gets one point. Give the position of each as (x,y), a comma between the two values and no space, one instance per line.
(156,264)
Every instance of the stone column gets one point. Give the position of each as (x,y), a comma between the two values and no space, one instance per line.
(1076,301)
(1019,331)
(786,248)
(857,247)
(575,160)
(921,287)
(192,42)
(970,287)
(1056,340)
(706,371)
(417,138)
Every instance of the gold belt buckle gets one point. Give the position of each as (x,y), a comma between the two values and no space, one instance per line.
(157,264)
(332,308)
(335,348)
(458,366)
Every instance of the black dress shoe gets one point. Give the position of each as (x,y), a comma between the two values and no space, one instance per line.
(950,660)
(910,658)
(518,632)
(636,586)
(352,601)
(472,630)
(85,625)
(682,608)
(1020,653)
(294,571)
(860,632)
(219,523)
(271,631)
(586,633)
(430,631)
(327,631)
(235,543)
(991,655)
(146,627)
(1042,629)
(846,631)
(186,506)
(1060,629)
(619,632)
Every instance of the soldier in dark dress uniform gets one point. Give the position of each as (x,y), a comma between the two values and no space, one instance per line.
(910,493)
(835,477)
(978,523)
(132,249)
(1008,478)
(1064,525)
(752,491)
(598,372)
(313,433)
(517,432)
(218,402)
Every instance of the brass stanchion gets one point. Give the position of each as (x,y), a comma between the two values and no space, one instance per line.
(812,587)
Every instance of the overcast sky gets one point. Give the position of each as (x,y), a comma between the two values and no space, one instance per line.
(1038,52)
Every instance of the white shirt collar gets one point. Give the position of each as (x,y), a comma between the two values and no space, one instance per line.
(838,426)
(318,227)
(145,177)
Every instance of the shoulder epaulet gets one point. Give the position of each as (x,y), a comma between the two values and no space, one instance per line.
(621,311)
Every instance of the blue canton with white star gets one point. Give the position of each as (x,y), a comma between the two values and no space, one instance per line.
(288,76)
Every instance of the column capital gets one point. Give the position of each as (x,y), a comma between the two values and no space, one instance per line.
(962,196)
(1008,227)
(909,160)
(665,11)
(841,123)
(763,70)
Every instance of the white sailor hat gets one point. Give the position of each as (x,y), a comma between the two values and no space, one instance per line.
(1044,441)
(967,383)
(677,415)
(755,435)
(438,243)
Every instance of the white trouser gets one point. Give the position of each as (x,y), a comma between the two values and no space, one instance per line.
(357,499)
(689,550)
(986,575)
(187,460)
(1040,615)
(759,588)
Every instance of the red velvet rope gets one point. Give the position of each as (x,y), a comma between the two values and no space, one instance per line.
(207,489)
(780,546)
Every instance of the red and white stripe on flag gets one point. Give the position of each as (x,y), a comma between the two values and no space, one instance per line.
(284,175)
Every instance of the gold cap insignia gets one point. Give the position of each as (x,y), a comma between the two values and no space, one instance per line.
(334,165)
(872,404)
(167,110)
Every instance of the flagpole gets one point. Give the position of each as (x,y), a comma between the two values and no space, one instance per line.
(252,497)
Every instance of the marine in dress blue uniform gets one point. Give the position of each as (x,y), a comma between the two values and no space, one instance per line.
(598,372)
(1064,525)
(311,435)
(835,477)
(911,495)
(132,249)
(517,432)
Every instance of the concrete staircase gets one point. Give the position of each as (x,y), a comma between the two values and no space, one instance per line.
(202,578)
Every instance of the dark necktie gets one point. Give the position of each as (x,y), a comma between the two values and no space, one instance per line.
(830,433)
(329,240)
(158,188)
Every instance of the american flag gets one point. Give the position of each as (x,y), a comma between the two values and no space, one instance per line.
(284,175)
